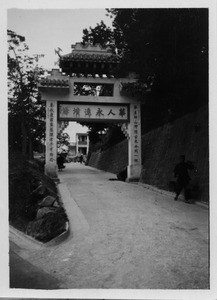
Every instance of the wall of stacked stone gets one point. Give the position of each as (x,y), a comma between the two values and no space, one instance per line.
(160,152)
(114,159)
(161,149)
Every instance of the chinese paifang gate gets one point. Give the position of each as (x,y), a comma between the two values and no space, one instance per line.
(86,89)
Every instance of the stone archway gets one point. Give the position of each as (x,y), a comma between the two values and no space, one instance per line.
(106,104)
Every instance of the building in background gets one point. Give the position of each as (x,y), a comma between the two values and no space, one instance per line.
(72,148)
(82,143)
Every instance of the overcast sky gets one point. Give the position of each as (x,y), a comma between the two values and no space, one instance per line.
(47,29)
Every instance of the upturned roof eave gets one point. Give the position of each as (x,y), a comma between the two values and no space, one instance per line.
(93,57)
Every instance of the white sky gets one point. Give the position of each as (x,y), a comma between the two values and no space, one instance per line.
(47,29)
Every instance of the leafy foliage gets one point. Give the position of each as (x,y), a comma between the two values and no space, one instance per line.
(101,34)
(168,50)
(26,110)
(135,89)
(63,139)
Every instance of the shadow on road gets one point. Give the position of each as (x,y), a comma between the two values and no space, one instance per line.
(26,276)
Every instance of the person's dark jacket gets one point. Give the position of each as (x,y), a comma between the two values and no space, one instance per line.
(181,172)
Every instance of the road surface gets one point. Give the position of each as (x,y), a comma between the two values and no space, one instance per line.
(122,236)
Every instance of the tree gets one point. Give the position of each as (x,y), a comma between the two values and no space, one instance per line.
(101,34)
(26,110)
(63,139)
(168,49)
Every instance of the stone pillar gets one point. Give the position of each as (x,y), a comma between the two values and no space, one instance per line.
(51,169)
(134,144)
(88,143)
(76,143)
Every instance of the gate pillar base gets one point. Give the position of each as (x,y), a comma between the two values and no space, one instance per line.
(51,171)
(133,173)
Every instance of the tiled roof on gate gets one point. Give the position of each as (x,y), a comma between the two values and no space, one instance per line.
(90,53)
(90,57)
(58,83)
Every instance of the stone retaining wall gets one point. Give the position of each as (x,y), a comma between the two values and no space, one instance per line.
(114,159)
(160,151)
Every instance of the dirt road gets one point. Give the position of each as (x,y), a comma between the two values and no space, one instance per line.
(123,236)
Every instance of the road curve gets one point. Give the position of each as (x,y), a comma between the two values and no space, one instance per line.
(123,236)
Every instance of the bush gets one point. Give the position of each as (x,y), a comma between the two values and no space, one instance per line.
(24,178)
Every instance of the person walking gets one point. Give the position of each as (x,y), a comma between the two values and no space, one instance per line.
(60,162)
(80,157)
(182,178)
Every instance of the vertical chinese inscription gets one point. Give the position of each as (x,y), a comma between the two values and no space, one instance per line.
(51,133)
(136,134)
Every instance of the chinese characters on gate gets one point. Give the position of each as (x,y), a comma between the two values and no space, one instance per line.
(136,135)
(51,132)
(106,112)
(93,112)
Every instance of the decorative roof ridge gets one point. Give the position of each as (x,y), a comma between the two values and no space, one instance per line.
(53,82)
(56,74)
(91,56)
(83,133)
(91,48)
(56,79)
